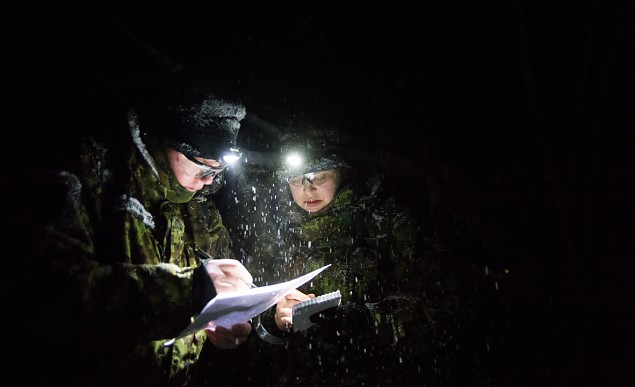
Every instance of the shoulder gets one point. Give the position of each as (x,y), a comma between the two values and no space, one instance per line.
(95,161)
(384,209)
(92,173)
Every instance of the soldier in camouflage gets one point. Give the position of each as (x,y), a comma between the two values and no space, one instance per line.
(397,300)
(123,263)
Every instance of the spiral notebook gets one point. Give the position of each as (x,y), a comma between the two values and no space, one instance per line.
(302,311)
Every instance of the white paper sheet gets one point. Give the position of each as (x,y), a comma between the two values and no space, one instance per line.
(227,309)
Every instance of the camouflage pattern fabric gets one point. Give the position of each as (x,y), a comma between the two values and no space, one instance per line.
(124,250)
(397,298)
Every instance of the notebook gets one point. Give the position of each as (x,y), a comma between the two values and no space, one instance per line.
(302,311)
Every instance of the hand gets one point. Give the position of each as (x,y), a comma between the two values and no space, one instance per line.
(228,275)
(283,308)
(229,338)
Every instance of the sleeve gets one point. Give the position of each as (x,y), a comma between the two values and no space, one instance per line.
(116,301)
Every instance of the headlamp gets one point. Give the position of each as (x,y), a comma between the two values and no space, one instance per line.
(301,161)
(294,160)
(230,156)
(226,158)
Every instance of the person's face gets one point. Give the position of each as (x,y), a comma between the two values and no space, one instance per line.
(314,191)
(192,176)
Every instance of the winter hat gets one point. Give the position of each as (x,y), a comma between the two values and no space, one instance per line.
(312,150)
(192,117)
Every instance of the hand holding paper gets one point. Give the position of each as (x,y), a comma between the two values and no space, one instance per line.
(229,338)
(228,309)
(228,275)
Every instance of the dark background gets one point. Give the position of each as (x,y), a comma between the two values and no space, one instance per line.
(519,113)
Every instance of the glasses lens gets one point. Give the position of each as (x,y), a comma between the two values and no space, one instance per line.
(320,178)
(217,183)
(207,171)
(296,181)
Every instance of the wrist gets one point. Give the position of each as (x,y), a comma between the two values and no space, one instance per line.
(267,330)
(203,289)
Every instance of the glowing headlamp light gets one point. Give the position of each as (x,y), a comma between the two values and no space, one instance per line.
(226,158)
(294,160)
(229,157)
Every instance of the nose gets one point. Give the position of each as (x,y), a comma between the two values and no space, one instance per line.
(207,180)
(308,186)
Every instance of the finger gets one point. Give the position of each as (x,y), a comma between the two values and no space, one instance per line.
(226,286)
(281,314)
(234,268)
(229,338)
(284,312)
(292,298)
(296,295)
(287,320)
(241,329)
(287,302)
(284,323)
(228,274)
(223,342)
(287,323)
(229,267)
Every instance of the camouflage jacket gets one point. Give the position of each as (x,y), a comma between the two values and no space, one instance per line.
(124,250)
(382,260)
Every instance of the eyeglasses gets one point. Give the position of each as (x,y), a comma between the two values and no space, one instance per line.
(206,170)
(227,158)
(314,178)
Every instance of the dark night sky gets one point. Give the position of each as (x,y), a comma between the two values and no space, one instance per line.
(521,111)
